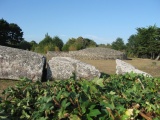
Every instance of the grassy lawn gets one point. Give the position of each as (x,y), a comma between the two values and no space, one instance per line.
(108,66)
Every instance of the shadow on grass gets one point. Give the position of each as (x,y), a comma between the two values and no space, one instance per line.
(104,75)
(128,59)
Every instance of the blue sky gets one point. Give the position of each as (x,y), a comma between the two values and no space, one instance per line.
(100,20)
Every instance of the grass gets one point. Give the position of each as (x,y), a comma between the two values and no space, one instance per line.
(109,67)
(5,84)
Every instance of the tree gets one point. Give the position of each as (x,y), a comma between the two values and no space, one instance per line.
(46,40)
(158,44)
(49,44)
(33,45)
(10,34)
(65,47)
(24,45)
(70,42)
(89,43)
(148,41)
(118,44)
(131,46)
(58,42)
(15,34)
(4,28)
(45,45)
(105,46)
(78,44)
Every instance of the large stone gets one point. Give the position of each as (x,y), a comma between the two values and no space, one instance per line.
(61,68)
(17,63)
(123,67)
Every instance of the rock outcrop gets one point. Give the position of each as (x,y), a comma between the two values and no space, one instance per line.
(17,63)
(123,67)
(61,68)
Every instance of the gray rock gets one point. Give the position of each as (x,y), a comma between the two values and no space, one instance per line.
(17,63)
(123,67)
(61,68)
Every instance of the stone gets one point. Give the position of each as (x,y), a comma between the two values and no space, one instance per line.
(95,53)
(123,67)
(17,63)
(62,68)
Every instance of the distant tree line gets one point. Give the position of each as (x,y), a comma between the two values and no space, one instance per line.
(144,44)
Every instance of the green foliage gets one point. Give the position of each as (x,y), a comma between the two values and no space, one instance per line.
(33,45)
(65,47)
(145,43)
(25,45)
(49,44)
(131,46)
(123,97)
(118,44)
(105,46)
(89,43)
(78,44)
(58,42)
(10,34)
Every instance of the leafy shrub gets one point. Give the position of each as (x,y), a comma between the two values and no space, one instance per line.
(127,96)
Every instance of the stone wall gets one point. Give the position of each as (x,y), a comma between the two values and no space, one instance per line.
(90,53)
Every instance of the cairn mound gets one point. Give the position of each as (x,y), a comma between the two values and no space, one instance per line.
(96,53)
(99,53)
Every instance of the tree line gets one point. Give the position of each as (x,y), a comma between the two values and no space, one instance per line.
(10,34)
(144,44)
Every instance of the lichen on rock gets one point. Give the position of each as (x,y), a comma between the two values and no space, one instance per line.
(17,63)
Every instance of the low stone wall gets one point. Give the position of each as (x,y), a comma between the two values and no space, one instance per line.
(90,53)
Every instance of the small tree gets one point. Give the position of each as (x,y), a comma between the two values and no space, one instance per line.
(58,42)
(33,45)
(118,44)
(45,45)
(89,43)
(72,48)
(65,47)
(68,46)
(24,45)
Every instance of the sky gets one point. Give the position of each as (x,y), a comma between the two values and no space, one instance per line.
(100,20)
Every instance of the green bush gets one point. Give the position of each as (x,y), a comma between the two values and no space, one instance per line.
(123,97)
